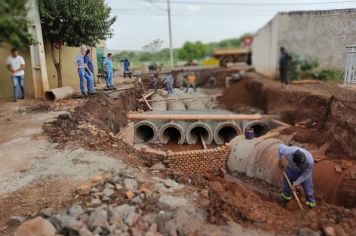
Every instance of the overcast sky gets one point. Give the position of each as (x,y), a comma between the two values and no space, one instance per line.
(141,21)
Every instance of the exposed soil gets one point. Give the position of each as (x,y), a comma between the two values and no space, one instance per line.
(315,112)
(231,201)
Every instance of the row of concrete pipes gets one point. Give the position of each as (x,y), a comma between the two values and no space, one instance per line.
(181,132)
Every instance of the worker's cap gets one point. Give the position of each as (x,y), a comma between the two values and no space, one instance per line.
(298,157)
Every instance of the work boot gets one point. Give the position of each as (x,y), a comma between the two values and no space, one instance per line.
(14,100)
(113,88)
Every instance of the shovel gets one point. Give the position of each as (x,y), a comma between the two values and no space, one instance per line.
(294,193)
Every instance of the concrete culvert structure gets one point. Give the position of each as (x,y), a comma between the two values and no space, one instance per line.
(158,103)
(176,106)
(59,93)
(172,132)
(259,127)
(197,129)
(145,132)
(224,132)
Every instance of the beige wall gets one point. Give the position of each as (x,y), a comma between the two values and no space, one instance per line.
(319,34)
(265,49)
(69,70)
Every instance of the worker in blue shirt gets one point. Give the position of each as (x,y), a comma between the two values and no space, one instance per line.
(89,62)
(169,81)
(84,73)
(108,69)
(126,65)
(299,171)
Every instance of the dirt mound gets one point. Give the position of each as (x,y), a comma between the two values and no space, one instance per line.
(105,112)
(230,201)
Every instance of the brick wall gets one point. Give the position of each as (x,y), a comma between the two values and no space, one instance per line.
(199,162)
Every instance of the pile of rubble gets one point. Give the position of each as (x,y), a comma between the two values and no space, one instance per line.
(115,205)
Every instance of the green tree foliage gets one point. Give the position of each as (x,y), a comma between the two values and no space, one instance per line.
(191,51)
(74,23)
(13,23)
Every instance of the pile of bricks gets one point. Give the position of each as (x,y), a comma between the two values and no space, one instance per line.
(198,162)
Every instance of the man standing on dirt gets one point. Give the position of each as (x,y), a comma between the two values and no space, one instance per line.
(169,81)
(108,69)
(83,74)
(299,171)
(191,82)
(16,65)
(284,59)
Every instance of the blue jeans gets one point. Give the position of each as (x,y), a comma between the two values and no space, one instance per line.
(109,79)
(90,82)
(169,88)
(18,81)
(307,186)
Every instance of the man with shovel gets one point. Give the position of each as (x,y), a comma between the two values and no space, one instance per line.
(298,172)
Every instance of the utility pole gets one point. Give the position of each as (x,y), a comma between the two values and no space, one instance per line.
(170,32)
(38,57)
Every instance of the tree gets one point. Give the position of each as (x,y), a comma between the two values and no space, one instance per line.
(14,24)
(154,46)
(74,23)
(191,51)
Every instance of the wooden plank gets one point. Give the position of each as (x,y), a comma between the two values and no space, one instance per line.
(150,116)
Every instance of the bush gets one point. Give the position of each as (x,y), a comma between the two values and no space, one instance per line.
(306,67)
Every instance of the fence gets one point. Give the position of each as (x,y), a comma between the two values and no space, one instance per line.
(350,68)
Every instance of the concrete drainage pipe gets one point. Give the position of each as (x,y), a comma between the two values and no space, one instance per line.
(176,106)
(259,127)
(197,129)
(196,105)
(172,132)
(145,132)
(257,159)
(59,93)
(158,103)
(224,132)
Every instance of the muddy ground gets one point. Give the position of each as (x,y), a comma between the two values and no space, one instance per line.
(80,137)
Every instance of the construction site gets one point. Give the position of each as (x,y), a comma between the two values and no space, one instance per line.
(137,160)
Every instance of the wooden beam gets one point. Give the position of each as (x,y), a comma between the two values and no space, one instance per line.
(149,106)
(150,116)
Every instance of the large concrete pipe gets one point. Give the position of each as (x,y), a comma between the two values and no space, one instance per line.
(259,127)
(176,106)
(173,132)
(198,129)
(195,105)
(59,93)
(257,159)
(159,104)
(146,131)
(224,132)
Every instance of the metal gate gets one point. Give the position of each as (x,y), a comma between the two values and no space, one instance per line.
(350,69)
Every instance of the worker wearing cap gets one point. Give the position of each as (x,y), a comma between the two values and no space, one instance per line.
(191,82)
(299,172)
(168,80)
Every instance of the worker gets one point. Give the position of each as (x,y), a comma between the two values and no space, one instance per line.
(126,66)
(299,172)
(168,80)
(154,82)
(16,65)
(191,82)
(88,60)
(108,69)
(83,74)
(284,59)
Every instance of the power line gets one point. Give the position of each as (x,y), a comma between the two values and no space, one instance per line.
(249,3)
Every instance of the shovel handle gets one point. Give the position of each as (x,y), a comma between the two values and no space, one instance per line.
(294,193)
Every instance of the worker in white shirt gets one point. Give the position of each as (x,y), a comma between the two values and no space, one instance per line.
(16,65)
